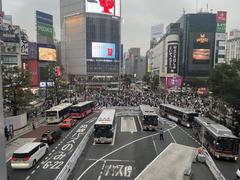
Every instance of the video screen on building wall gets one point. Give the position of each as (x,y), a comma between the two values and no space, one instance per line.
(107,7)
(47,54)
(103,50)
(201,54)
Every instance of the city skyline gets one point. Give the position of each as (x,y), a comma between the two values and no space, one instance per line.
(135,13)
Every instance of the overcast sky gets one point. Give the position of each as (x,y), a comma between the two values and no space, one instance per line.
(138,15)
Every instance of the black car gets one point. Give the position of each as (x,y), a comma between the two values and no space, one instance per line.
(51,136)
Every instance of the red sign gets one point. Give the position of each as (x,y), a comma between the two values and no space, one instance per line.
(110,51)
(174,82)
(221,17)
(33,70)
(58,71)
(107,5)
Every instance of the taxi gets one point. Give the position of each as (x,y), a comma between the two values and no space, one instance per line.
(67,123)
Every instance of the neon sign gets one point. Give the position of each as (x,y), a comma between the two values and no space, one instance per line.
(202,39)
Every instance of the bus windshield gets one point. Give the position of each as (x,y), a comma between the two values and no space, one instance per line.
(103,131)
(51,113)
(228,144)
(151,120)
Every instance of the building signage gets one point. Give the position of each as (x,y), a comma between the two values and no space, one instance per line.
(24,43)
(103,50)
(32,51)
(202,39)
(44,24)
(174,82)
(172,58)
(46,84)
(221,16)
(108,7)
(47,52)
(11,33)
(221,28)
(33,70)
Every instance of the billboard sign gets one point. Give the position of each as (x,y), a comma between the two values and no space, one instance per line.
(47,52)
(221,17)
(44,24)
(103,50)
(175,82)
(33,70)
(45,84)
(11,33)
(172,58)
(24,43)
(221,28)
(32,51)
(107,7)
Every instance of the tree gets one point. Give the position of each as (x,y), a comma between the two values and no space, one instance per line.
(224,83)
(155,82)
(147,78)
(16,92)
(59,90)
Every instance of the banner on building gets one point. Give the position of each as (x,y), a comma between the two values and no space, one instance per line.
(24,43)
(172,58)
(221,16)
(33,70)
(44,24)
(32,51)
(175,82)
(11,33)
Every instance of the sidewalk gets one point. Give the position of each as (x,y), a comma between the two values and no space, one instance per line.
(16,142)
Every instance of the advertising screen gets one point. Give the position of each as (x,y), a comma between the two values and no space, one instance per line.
(44,24)
(172,58)
(103,50)
(201,54)
(33,69)
(47,54)
(174,82)
(108,7)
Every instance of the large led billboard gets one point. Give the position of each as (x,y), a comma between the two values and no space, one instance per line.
(47,53)
(108,7)
(201,54)
(103,50)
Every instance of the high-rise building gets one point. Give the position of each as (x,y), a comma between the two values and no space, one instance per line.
(91,41)
(233,49)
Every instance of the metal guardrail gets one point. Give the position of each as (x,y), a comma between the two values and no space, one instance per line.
(67,169)
(212,166)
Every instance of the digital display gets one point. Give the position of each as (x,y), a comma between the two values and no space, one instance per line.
(103,50)
(47,54)
(201,54)
(108,7)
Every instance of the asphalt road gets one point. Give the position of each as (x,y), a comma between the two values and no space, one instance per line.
(133,151)
(59,153)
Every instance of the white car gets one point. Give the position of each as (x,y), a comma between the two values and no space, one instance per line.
(238,173)
(28,155)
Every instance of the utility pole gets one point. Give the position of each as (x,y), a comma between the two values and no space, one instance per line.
(3,167)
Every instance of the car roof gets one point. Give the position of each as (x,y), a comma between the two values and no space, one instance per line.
(26,148)
(68,119)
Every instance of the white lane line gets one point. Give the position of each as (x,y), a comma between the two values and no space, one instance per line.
(100,175)
(27,178)
(38,167)
(155,147)
(172,136)
(111,160)
(128,144)
(33,171)
(140,123)
(114,136)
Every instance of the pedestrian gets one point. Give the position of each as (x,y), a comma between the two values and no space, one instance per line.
(6,132)
(33,125)
(161,134)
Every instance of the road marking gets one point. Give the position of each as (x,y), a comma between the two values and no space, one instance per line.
(155,147)
(112,160)
(128,144)
(27,178)
(172,136)
(114,136)
(33,171)
(140,123)
(100,175)
(38,167)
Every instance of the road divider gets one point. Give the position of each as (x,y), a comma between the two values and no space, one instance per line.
(67,169)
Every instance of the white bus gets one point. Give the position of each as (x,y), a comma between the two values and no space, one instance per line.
(58,113)
(104,127)
(148,117)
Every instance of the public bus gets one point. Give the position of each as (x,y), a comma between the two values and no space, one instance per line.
(149,118)
(217,139)
(58,113)
(82,109)
(104,126)
(177,114)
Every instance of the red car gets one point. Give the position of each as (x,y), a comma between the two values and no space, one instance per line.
(67,123)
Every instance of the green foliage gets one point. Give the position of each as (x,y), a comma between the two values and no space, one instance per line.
(59,90)
(224,83)
(147,78)
(155,82)
(16,92)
